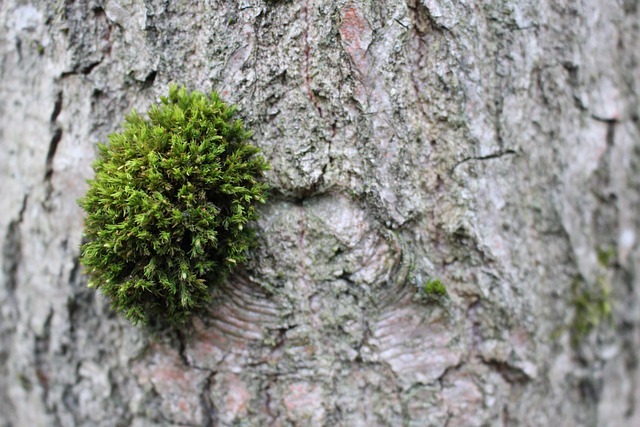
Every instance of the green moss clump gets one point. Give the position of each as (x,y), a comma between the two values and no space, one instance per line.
(435,288)
(169,207)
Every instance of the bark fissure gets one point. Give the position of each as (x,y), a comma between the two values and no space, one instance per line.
(208,408)
(53,145)
(12,249)
(491,156)
(307,56)
(42,355)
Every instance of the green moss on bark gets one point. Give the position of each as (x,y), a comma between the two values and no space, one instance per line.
(593,307)
(169,208)
(433,292)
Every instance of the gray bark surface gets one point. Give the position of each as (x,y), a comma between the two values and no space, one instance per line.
(494,146)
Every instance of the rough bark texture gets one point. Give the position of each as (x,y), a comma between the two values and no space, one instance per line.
(491,145)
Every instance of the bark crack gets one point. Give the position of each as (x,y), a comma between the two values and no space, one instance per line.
(82,70)
(53,146)
(12,250)
(611,123)
(273,418)
(9,315)
(307,58)
(422,24)
(208,408)
(41,365)
(491,156)
(301,241)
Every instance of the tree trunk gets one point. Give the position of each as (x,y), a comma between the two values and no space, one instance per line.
(493,146)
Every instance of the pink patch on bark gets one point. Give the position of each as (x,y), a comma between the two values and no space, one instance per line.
(304,402)
(356,36)
(237,398)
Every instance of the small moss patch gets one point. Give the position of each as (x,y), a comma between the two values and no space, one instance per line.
(434,291)
(434,287)
(593,307)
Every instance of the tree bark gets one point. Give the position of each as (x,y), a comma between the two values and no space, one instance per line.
(494,146)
